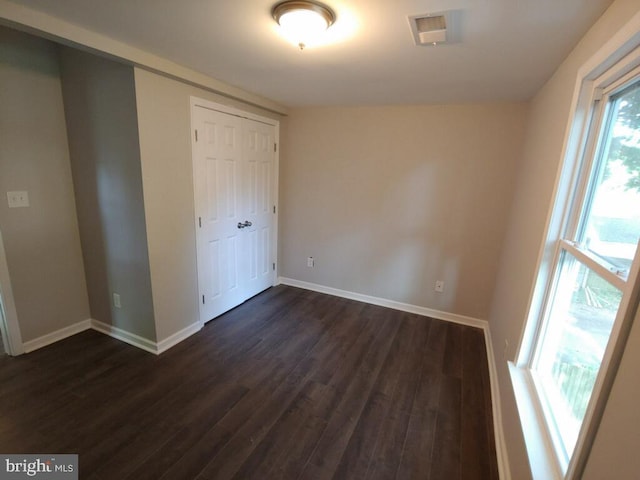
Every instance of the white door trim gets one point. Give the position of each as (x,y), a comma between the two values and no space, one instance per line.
(9,316)
(200,102)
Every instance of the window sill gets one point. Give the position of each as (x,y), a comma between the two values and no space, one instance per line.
(542,458)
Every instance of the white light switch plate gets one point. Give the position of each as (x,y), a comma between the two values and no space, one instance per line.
(18,199)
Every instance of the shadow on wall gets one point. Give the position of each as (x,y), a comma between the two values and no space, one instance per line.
(23,56)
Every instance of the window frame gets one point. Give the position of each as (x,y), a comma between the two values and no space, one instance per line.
(583,148)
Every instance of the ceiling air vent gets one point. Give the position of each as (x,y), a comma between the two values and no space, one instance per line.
(431,28)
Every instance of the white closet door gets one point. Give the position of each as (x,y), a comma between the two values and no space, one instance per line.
(232,173)
(258,160)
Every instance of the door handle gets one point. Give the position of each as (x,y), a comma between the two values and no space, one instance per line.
(246,224)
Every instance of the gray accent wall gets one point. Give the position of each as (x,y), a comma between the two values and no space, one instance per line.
(101,117)
(41,241)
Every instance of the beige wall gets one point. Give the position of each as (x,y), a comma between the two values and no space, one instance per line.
(164,121)
(548,119)
(390,199)
(42,242)
(100,109)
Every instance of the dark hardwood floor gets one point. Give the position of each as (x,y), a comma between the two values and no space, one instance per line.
(292,384)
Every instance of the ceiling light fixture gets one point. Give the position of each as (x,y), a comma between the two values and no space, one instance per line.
(303,21)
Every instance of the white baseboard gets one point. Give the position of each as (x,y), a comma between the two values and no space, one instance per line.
(383,302)
(167,343)
(56,336)
(501,451)
(114,332)
(124,336)
(504,470)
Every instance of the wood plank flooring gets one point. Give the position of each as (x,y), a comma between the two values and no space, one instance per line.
(292,384)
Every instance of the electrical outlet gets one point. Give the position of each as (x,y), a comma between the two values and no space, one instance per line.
(439,286)
(310,262)
(116,300)
(18,199)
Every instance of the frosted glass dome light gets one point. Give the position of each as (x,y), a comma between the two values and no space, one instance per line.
(303,21)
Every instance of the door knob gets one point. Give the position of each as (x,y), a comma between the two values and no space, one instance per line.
(247,223)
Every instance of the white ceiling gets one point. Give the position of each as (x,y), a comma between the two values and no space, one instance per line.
(507,49)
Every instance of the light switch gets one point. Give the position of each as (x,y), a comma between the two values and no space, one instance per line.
(18,199)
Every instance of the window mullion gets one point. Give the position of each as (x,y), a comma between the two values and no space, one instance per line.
(594,263)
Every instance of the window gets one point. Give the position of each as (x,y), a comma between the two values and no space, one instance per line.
(588,289)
